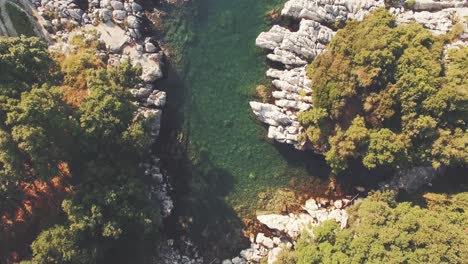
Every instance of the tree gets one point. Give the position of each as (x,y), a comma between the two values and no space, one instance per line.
(109,217)
(396,79)
(383,230)
(346,145)
(57,246)
(43,131)
(23,62)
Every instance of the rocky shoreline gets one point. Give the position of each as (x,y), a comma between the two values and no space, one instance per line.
(292,94)
(294,50)
(125,34)
(286,229)
(119,26)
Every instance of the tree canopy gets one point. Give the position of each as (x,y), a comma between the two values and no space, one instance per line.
(107,216)
(383,230)
(387,94)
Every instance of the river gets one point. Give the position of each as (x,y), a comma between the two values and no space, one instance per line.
(225,168)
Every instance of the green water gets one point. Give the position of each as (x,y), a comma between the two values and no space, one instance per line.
(231,161)
(224,68)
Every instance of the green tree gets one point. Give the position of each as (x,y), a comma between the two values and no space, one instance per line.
(383,230)
(57,246)
(23,62)
(110,216)
(396,78)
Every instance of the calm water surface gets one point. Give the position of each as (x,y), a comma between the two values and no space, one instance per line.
(230,159)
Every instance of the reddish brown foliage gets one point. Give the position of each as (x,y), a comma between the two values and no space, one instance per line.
(74,96)
(39,207)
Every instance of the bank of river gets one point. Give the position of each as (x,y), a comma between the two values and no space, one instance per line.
(225,168)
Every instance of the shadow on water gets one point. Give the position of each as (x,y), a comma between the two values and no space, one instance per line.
(200,187)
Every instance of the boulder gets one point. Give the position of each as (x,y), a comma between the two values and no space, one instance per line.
(264,241)
(311,205)
(136,7)
(119,15)
(105,15)
(142,92)
(151,72)
(117,5)
(133,22)
(156,99)
(76,14)
(270,114)
(150,47)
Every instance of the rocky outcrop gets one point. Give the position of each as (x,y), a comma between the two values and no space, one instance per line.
(436,5)
(285,229)
(294,50)
(118,24)
(329,11)
(439,21)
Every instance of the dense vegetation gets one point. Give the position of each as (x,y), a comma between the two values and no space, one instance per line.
(387,95)
(68,125)
(385,231)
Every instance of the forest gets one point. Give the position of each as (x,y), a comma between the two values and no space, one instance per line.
(71,190)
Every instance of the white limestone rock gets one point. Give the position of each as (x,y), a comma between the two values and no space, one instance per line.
(150,47)
(270,114)
(273,38)
(431,5)
(238,260)
(151,72)
(156,99)
(133,22)
(295,48)
(439,22)
(264,241)
(292,225)
(274,254)
(329,11)
(311,205)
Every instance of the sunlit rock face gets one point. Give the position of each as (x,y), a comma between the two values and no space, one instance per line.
(294,50)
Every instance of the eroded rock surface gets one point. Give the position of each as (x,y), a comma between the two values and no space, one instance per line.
(287,228)
(295,50)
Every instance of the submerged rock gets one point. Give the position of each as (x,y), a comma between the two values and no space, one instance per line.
(411,180)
